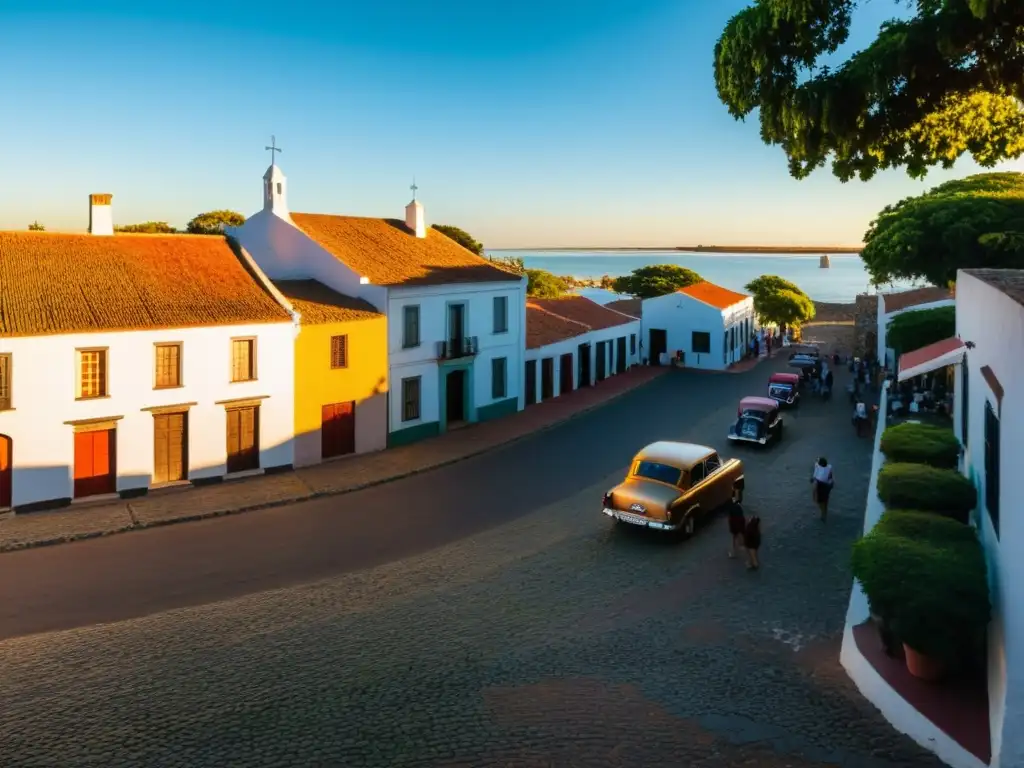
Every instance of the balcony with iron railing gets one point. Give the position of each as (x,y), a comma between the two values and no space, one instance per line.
(454,349)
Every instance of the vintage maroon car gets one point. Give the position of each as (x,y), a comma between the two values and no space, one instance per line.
(758,421)
(784,388)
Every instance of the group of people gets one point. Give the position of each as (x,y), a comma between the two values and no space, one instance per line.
(764,337)
(745,531)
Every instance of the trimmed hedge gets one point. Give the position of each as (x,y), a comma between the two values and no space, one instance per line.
(928,489)
(913,330)
(924,526)
(932,589)
(921,444)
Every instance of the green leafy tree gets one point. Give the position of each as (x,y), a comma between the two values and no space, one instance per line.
(148,228)
(35,226)
(544,285)
(778,301)
(943,82)
(511,263)
(214,222)
(655,280)
(462,237)
(913,330)
(972,222)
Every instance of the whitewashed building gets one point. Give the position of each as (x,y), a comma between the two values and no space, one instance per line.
(134,361)
(456,321)
(573,342)
(709,325)
(892,305)
(988,415)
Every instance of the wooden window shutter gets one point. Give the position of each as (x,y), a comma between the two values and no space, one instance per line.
(339,351)
(5,382)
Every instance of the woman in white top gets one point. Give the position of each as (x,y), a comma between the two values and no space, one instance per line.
(822,482)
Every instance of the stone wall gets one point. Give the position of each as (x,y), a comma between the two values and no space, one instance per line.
(865,322)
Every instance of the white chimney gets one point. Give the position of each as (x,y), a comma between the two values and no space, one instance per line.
(414,218)
(101,215)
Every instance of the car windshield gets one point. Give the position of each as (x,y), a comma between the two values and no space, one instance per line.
(663,473)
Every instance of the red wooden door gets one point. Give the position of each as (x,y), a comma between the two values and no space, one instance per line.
(95,463)
(338,429)
(6,471)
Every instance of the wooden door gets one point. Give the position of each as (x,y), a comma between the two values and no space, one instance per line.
(243,439)
(531,382)
(169,447)
(6,471)
(602,360)
(95,463)
(620,355)
(547,378)
(338,429)
(565,384)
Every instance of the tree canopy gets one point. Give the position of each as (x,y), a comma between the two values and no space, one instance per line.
(777,300)
(655,280)
(972,222)
(462,237)
(913,330)
(214,222)
(943,81)
(544,285)
(148,228)
(35,226)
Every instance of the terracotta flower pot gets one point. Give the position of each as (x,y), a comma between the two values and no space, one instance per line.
(921,666)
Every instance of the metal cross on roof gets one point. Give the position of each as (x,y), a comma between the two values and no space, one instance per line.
(272,148)
(414,188)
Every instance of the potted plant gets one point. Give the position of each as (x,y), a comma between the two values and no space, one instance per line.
(921,444)
(928,489)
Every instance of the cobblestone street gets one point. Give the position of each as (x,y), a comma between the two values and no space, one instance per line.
(546,637)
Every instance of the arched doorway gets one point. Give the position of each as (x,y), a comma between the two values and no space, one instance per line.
(6,470)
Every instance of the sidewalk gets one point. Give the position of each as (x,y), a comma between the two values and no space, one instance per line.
(83,521)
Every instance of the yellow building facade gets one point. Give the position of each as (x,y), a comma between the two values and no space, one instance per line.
(341,373)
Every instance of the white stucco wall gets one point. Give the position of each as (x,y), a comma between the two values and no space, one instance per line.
(995,324)
(680,315)
(885,353)
(571,346)
(421,361)
(44,390)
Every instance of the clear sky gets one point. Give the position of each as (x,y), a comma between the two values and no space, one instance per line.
(532,123)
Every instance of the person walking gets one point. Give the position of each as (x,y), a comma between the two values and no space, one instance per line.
(737,524)
(752,541)
(757,347)
(822,481)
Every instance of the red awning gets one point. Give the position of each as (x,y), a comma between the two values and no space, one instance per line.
(931,358)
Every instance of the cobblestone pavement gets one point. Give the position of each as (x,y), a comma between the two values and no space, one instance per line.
(553,639)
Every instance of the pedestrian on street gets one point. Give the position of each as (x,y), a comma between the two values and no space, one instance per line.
(737,524)
(829,381)
(757,347)
(860,417)
(822,482)
(752,541)
(768,345)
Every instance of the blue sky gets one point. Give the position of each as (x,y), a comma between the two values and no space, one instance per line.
(529,123)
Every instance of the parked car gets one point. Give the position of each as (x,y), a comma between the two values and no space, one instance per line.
(784,388)
(758,421)
(671,485)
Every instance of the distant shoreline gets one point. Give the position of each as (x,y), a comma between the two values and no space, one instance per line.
(774,249)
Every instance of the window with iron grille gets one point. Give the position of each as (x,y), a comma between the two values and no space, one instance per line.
(92,373)
(168,366)
(499,377)
(6,375)
(339,351)
(411,398)
(243,360)
(500,314)
(992,465)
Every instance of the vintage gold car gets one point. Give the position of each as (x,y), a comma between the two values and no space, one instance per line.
(670,486)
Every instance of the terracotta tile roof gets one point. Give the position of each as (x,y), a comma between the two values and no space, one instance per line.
(894,302)
(715,295)
(319,304)
(632,307)
(386,252)
(1009,281)
(54,283)
(552,320)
